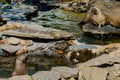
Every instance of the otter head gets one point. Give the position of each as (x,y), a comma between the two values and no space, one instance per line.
(22,57)
(95,10)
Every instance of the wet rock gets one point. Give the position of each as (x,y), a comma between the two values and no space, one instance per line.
(26,42)
(11,49)
(13,40)
(46,75)
(98,61)
(114,71)
(50,51)
(37,52)
(19,12)
(3,53)
(78,6)
(93,73)
(81,53)
(66,72)
(103,30)
(23,77)
(9,26)
(61,45)
(35,46)
(39,32)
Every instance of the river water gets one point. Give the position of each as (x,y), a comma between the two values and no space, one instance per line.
(68,21)
(58,19)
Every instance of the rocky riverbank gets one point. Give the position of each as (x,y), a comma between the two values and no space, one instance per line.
(87,61)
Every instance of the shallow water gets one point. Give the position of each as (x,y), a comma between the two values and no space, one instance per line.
(34,64)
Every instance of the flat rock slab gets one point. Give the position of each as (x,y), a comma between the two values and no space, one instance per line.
(46,75)
(31,31)
(23,77)
(93,73)
(103,30)
(98,61)
(66,72)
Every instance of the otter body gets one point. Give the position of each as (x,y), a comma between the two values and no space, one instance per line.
(95,16)
(20,67)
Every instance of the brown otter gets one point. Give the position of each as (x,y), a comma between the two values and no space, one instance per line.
(95,16)
(20,67)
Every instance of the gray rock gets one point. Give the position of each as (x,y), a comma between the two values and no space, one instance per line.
(19,12)
(23,77)
(79,6)
(3,79)
(114,71)
(66,72)
(93,73)
(98,61)
(81,52)
(3,53)
(115,56)
(103,30)
(13,40)
(46,75)
(37,52)
(11,49)
(39,32)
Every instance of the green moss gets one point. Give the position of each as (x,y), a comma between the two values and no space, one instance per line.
(4,2)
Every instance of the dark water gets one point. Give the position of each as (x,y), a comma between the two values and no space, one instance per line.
(34,64)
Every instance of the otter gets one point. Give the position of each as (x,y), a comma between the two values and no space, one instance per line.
(20,67)
(95,16)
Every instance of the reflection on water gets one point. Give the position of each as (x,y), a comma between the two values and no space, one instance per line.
(34,64)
